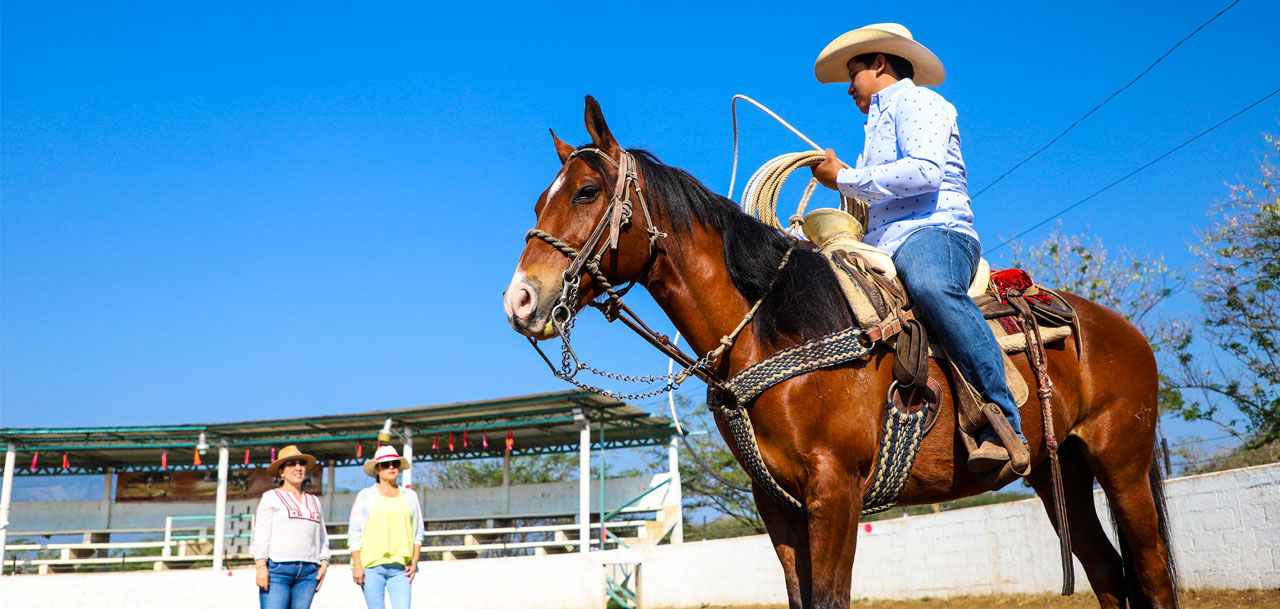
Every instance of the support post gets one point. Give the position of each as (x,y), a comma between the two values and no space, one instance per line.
(168,537)
(584,485)
(330,489)
(108,482)
(673,461)
(220,512)
(408,456)
(6,494)
(506,481)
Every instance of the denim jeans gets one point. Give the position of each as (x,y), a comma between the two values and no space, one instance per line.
(291,585)
(384,579)
(937,265)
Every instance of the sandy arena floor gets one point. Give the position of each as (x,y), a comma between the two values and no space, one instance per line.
(1194,599)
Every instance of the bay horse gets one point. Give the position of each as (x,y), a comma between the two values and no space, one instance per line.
(705,262)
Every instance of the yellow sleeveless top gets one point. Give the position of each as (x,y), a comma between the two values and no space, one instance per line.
(388,536)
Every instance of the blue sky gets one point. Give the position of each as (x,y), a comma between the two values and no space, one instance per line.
(247,211)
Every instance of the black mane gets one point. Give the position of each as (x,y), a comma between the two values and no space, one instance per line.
(805,303)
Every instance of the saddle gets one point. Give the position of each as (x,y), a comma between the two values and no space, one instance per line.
(882,308)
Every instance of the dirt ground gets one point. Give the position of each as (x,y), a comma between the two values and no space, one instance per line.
(1192,599)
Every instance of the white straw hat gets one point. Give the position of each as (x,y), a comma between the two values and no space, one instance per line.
(384,454)
(887,38)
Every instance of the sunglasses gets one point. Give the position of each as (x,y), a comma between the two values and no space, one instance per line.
(389,465)
(295,462)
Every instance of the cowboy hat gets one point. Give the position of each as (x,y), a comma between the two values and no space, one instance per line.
(887,38)
(289,453)
(384,454)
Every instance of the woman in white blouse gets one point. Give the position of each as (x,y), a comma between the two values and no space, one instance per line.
(290,545)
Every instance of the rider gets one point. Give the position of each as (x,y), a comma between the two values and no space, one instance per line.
(911,173)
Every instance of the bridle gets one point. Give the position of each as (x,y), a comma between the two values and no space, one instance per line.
(616,218)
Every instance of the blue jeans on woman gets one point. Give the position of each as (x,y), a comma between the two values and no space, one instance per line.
(290,585)
(386,579)
(937,265)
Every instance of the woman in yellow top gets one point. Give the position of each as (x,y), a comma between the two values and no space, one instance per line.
(386,533)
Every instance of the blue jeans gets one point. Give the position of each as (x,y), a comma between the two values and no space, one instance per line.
(384,579)
(291,585)
(937,265)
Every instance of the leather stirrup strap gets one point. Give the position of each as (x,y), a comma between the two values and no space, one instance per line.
(911,366)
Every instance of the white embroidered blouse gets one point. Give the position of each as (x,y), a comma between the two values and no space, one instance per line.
(285,530)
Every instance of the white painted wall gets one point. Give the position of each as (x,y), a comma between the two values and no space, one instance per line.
(1226,529)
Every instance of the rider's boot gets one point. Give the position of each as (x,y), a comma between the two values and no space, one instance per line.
(999,443)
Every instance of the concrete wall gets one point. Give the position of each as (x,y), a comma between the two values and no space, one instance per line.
(1226,529)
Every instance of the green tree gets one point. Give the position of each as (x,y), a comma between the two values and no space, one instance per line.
(1238,266)
(480,473)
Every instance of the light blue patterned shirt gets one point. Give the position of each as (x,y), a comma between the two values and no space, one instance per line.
(910,170)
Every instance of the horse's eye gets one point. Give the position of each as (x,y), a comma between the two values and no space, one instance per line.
(586,194)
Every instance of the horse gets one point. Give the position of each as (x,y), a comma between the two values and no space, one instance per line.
(706,263)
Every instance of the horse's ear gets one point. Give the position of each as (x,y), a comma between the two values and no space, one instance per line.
(562,149)
(597,128)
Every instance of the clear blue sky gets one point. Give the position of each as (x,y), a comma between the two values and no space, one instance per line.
(259,210)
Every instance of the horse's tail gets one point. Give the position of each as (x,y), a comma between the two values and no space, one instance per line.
(1134,591)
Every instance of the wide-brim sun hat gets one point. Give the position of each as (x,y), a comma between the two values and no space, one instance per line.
(887,38)
(384,454)
(289,453)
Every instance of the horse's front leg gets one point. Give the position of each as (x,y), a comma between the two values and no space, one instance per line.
(833,504)
(789,533)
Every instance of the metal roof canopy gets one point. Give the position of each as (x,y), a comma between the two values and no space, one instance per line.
(540,424)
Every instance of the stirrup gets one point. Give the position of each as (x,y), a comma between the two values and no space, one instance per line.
(1019,456)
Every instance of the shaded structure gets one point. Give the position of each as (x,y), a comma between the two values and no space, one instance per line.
(558,422)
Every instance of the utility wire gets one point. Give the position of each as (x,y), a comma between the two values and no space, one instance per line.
(1132,173)
(1104,102)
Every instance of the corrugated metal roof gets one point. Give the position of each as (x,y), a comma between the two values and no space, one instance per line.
(541,423)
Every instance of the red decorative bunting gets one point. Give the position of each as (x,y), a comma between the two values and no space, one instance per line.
(464,438)
(246,456)
(273,454)
(451,441)
(484,440)
(511,440)
(35,458)
(359,450)
(164,460)
(65,463)
(435,442)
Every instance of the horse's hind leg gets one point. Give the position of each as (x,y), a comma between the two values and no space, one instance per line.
(1089,543)
(1122,462)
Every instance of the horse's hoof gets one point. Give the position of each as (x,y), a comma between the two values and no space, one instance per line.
(988,456)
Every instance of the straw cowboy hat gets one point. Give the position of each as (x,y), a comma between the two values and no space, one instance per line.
(289,453)
(888,38)
(386,453)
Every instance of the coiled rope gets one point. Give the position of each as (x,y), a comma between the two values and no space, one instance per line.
(760,196)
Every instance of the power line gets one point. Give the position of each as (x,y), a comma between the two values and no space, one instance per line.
(1104,102)
(1133,173)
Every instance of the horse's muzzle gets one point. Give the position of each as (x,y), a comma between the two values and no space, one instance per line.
(528,312)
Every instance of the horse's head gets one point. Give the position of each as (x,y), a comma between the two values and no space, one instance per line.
(591,224)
